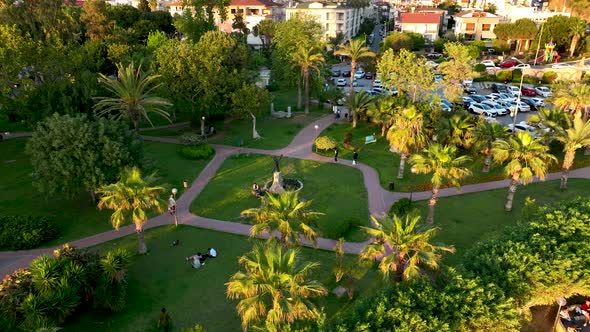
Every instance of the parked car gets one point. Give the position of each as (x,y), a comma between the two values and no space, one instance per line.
(521,66)
(529,92)
(377,84)
(522,107)
(507,96)
(359,74)
(341,82)
(539,102)
(499,88)
(523,126)
(529,102)
(433,55)
(336,73)
(488,63)
(561,66)
(490,119)
(478,98)
(514,90)
(543,91)
(479,108)
(467,101)
(470,90)
(368,75)
(346,73)
(431,64)
(506,104)
(500,110)
(438,78)
(467,82)
(508,63)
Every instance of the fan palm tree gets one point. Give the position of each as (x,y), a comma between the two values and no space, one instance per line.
(382,112)
(132,197)
(359,104)
(572,97)
(484,135)
(527,157)
(574,136)
(551,118)
(355,50)
(406,135)
(308,59)
(133,96)
(577,32)
(445,166)
(403,246)
(286,214)
(461,130)
(274,289)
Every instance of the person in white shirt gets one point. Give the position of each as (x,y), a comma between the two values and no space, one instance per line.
(211,253)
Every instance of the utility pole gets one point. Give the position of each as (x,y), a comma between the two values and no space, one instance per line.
(539,44)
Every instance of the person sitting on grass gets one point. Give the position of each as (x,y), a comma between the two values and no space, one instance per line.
(196,260)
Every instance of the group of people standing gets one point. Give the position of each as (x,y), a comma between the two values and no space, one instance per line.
(355,156)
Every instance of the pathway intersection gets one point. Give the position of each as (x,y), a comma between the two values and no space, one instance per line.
(380,200)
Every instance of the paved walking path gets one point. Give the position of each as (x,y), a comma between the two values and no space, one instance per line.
(300,147)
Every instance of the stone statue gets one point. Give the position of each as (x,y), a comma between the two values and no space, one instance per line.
(277,160)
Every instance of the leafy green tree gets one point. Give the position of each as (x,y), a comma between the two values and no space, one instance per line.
(308,59)
(16,50)
(485,134)
(445,166)
(249,100)
(457,69)
(102,149)
(574,136)
(131,198)
(406,72)
(286,214)
(577,32)
(404,247)
(239,24)
(265,30)
(95,17)
(144,6)
(133,96)
(275,287)
(527,157)
(359,104)
(558,29)
(193,24)
(355,50)
(406,135)
(397,41)
(418,41)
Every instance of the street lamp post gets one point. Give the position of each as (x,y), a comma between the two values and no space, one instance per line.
(203,126)
(539,44)
(515,112)
(172,205)
(562,302)
(316,127)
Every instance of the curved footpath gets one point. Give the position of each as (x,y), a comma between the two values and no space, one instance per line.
(300,147)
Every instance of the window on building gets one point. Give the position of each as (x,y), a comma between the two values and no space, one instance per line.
(255,11)
(340,27)
(240,11)
(327,26)
(340,16)
(327,16)
(486,27)
(233,11)
(470,27)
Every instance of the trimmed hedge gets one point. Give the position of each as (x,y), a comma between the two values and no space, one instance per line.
(480,68)
(198,151)
(325,143)
(190,138)
(504,75)
(25,232)
(549,77)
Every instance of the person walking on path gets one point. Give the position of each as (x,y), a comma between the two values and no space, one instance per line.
(336,154)
(355,157)
(164,320)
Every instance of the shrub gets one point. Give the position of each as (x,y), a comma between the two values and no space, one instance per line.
(199,151)
(549,77)
(516,75)
(504,75)
(341,229)
(190,138)
(401,207)
(480,68)
(325,143)
(25,232)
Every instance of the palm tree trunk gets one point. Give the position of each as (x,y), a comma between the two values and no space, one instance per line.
(568,161)
(487,162)
(135,119)
(383,130)
(141,246)
(400,268)
(587,150)
(352,71)
(511,191)
(432,204)
(354,119)
(299,94)
(306,82)
(573,45)
(402,165)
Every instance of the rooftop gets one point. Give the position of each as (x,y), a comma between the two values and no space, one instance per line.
(474,13)
(422,17)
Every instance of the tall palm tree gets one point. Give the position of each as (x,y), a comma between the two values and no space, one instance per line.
(274,289)
(574,136)
(572,97)
(133,98)
(286,214)
(445,166)
(485,134)
(308,59)
(406,135)
(355,50)
(551,118)
(403,246)
(527,157)
(132,197)
(577,32)
(382,112)
(359,104)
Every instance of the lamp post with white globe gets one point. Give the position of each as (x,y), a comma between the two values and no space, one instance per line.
(172,205)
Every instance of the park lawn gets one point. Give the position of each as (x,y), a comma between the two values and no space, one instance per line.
(6,126)
(78,217)
(466,219)
(284,98)
(336,190)
(386,163)
(162,278)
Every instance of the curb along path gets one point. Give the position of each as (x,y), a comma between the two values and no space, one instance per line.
(300,147)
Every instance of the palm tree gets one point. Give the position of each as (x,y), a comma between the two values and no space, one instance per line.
(359,104)
(444,165)
(485,134)
(286,214)
(572,97)
(132,197)
(403,246)
(274,288)
(551,118)
(527,157)
(355,50)
(406,135)
(308,59)
(577,32)
(461,130)
(573,137)
(382,112)
(133,96)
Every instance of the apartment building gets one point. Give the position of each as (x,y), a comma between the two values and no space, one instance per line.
(426,24)
(475,24)
(252,11)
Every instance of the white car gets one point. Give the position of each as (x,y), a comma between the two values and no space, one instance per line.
(488,63)
(341,82)
(468,82)
(537,102)
(500,109)
(521,66)
(480,108)
(377,84)
(543,91)
(522,107)
(507,97)
(431,64)
(523,126)
(490,119)
(514,90)
(561,65)
(359,74)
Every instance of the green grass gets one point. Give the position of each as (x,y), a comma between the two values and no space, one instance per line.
(164,278)
(466,219)
(284,98)
(336,190)
(6,126)
(378,156)
(167,132)
(78,217)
